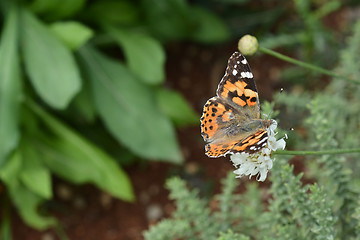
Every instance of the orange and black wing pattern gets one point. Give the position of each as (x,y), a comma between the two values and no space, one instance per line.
(252,143)
(238,87)
(216,121)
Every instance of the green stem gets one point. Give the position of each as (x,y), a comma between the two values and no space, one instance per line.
(322,152)
(5,231)
(305,65)
(60,232)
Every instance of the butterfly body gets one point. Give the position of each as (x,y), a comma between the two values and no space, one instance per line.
(231,121)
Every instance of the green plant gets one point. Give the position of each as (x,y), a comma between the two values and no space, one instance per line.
(51,107)
(326,209)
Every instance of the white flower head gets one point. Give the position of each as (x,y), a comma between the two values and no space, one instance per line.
(258,163)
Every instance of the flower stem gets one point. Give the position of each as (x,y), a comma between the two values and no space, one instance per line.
(322,152)
(59,229)
(305,65)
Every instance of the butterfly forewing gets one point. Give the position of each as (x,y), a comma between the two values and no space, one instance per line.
(238,87)
(218,117)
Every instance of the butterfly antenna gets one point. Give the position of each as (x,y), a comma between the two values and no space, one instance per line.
(275,101)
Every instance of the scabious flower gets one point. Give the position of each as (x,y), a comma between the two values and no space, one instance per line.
(258,163)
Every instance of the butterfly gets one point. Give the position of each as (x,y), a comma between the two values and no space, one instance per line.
(231,122)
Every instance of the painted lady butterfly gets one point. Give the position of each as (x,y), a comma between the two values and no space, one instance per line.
(231,121)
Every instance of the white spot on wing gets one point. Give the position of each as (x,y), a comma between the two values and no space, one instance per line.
(238,62)
(246,74)
(243,61)
(234,72)
(262,140)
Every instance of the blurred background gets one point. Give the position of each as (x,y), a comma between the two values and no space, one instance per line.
(100,102)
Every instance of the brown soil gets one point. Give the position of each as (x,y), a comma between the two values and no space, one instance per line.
(87,213)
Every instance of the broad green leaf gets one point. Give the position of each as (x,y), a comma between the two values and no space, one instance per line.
(128,108)
(176,107)
(50,65)
(114,11)
(41,6)
(56,9)
(238,2)
(210,28)
(10,86)
(168,19)
(74,158)
(34,175)
(83,104)
(10,171)
(26,201)
(65,8)
(144,55)
(176,19)
(73,34)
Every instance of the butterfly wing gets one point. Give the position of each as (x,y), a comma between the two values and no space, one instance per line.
(217,126)
(237,87)
(252,143)
(236,104)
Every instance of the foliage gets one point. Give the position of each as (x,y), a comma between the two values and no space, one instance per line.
(327,209)
(244,213)
(55,73)
(70,107)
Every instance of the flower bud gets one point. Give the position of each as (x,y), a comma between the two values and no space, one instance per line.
(248,45)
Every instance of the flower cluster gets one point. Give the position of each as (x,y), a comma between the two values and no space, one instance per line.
(258,163)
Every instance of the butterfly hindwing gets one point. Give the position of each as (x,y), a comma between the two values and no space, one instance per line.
(252,143)
(219,149)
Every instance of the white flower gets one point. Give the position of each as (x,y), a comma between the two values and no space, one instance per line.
(258,163)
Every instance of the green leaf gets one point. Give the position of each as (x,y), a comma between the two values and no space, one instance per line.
(83,104)
(66,8)
(128,109)
(168,19)
(75,159)
(56,9)
(34,175)
(144,55)
(10,86)
(176,107)
(210,28)
(73,34)
(50,65)
(230,235)
(26,201)
(41,6)
(117,12)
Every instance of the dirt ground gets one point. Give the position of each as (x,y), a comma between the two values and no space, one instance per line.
(88,213)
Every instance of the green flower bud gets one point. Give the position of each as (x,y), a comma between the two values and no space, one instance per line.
(248,45)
